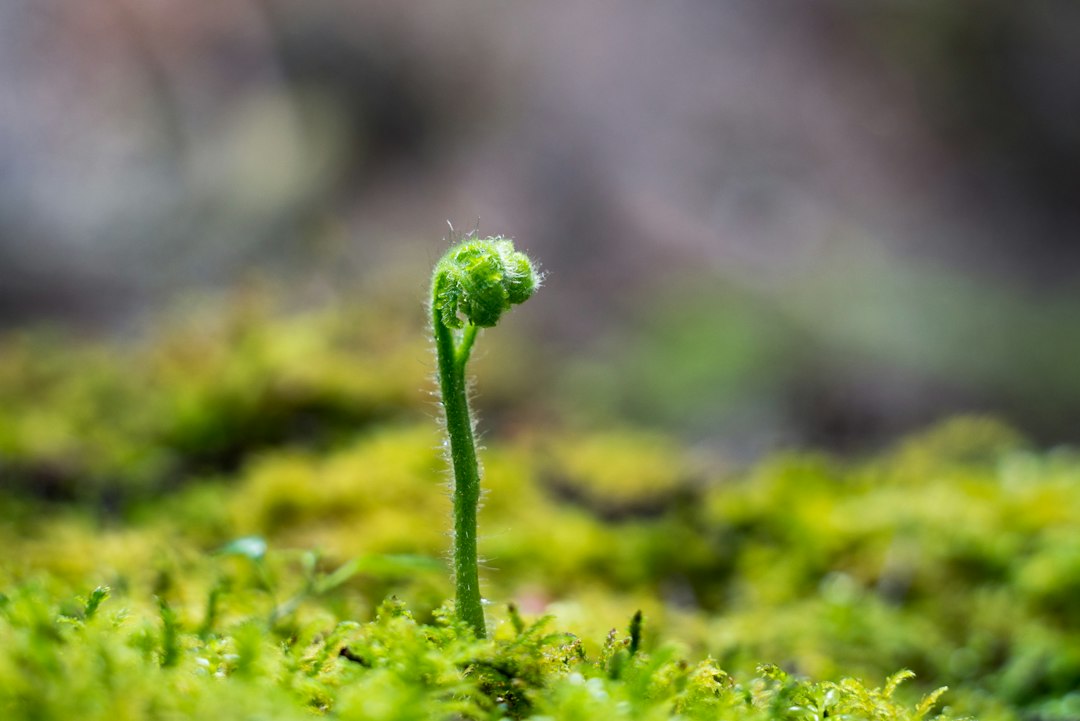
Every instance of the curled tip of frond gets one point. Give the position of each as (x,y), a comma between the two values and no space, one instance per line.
(480,278)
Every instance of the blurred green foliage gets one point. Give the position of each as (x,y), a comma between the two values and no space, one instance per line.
(280,476)
(864,338)
(84,419)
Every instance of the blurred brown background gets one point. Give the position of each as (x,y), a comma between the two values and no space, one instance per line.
(764,223)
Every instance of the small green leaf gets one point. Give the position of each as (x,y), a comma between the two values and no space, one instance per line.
(928,702)
(253,547)
(895,680)
(97,596)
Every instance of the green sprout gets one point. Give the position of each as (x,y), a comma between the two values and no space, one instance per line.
(479,279)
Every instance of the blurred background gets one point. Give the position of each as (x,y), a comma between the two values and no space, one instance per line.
(764,224)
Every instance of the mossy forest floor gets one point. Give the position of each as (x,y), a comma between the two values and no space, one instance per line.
(244,516)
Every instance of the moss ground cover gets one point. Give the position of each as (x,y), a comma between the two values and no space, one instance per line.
(249,563)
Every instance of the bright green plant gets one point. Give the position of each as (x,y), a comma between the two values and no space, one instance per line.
(479,279)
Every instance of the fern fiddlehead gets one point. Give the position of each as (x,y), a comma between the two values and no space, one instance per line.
(474,283)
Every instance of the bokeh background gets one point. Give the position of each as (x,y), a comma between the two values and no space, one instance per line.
(764,224)
(844,227)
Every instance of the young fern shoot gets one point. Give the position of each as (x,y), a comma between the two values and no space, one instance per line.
(472,286)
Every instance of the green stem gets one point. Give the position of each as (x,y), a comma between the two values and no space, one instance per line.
(464,349)
(479,279)
(451,362)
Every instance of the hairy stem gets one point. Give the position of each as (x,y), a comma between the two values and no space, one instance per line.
(479,279)
(451,362)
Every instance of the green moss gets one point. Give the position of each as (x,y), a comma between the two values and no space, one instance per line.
(953,554)
(620,472)
(120,664)
(90,421)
